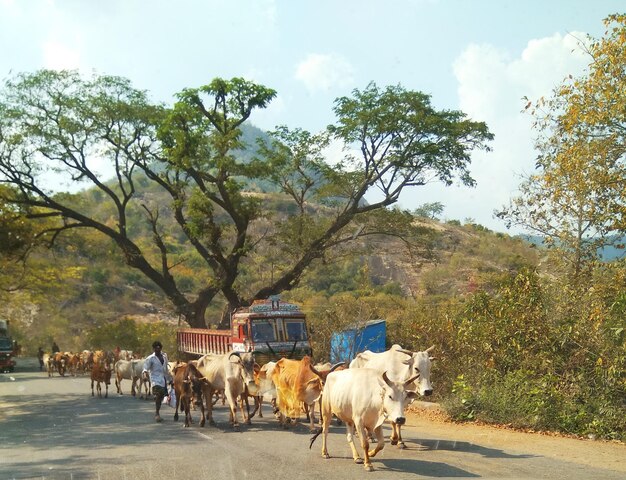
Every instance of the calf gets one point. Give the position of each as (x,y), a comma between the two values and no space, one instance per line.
(188,383)
(362,398)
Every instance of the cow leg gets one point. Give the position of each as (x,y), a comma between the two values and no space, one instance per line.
(92,393)
(351,432)
(400,442)
(259,399)
(106,390)
(312,419)
(245,413)
(201,405)
(185,405)
(380,437)
(208,396)
(326,417)
(118,384)
(132,386)
(179,403)
(232,403)
(396,436)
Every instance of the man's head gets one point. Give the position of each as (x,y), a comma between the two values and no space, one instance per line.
(157,346)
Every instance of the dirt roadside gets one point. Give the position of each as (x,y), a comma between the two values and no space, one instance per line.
(432,423)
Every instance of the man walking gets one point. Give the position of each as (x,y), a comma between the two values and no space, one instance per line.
(156,366)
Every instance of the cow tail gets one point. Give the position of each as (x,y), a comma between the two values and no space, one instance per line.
(314,436)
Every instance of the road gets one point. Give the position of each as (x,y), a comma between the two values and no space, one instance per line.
(54,429)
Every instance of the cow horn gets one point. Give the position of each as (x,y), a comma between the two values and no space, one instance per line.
(336,366)
(315,371)
(411,380)
(430,349)
(386,379)
(408,352)
(236,354)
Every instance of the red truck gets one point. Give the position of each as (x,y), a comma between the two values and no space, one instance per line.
(7,364)
(270,328)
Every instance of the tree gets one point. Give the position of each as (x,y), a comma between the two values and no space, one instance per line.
(60,122)
(577,201)
(430,210)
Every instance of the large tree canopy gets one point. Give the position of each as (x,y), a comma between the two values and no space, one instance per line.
(58,123)
(577,199)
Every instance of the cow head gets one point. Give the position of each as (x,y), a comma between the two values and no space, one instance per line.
(396,397)
(419,364)
(196,381)
(246,362)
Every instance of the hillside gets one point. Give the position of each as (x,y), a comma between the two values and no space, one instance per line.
(89,285)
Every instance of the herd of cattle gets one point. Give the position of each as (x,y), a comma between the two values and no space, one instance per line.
(374,387)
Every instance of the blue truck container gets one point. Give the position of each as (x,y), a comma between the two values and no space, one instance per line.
(370,335)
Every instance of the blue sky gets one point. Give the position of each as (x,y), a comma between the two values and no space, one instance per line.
(478,56)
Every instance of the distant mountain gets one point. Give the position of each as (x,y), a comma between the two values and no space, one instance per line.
(608,254)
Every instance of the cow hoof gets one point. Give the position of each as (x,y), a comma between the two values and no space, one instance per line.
(393,442)
(325,455)
(369,468)
(401,445)
(358,461)
(202,423)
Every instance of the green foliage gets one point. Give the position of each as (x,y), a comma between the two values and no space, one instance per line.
(576,200)
(429,210)
(130,335)
(545,355)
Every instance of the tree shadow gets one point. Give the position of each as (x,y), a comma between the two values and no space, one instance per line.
(466,447)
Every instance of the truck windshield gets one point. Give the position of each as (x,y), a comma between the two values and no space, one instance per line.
(263,331)
(5,344)
(295,330)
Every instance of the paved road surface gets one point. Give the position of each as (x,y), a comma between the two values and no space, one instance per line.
(54,429)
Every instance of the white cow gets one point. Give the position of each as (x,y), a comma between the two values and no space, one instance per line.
(230,372)
(400,365)
(267,389)
(363,398)
(129,370)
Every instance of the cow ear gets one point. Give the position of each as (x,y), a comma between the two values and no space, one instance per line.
(410,394)
(432,359)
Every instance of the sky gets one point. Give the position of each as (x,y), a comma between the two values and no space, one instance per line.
(478,56)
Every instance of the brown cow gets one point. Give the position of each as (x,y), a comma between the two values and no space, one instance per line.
(296,384)
(60,361)
(73,363)
(188,382)
(101,373)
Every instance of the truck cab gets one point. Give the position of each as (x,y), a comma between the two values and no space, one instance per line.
(269,328)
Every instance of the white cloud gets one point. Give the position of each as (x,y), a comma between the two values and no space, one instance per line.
(58,56)
(321,72)
(491,87)
(267,118)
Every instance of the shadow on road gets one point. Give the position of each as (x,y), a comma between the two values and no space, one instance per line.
(467,447)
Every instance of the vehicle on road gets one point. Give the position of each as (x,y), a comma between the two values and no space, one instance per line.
(269,328)
(7,364)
